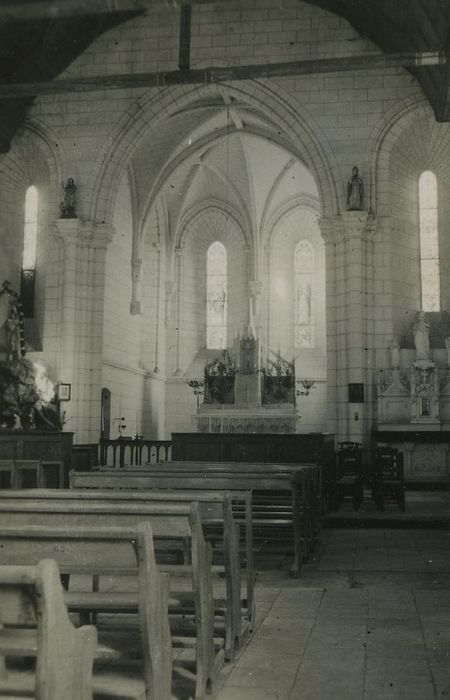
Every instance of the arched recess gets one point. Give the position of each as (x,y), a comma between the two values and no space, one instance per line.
(34,159)
(414,143)
(287,118)
(186,341)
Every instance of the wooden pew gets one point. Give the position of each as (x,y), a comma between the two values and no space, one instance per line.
(311,475)
(80,523)
(236,502)
(113,552)
(39,469)
(35,622)
(40,507)
(290,483)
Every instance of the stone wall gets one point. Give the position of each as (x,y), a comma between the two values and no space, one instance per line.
(143,165)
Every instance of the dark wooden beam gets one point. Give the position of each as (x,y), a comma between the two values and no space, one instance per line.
(19,11)
(222,74)
(184,51)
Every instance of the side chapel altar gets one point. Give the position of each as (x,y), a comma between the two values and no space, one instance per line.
(413,401)
(30,420)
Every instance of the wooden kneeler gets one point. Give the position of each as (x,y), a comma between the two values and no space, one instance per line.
(35,623)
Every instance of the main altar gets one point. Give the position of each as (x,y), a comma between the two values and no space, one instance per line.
(245,392)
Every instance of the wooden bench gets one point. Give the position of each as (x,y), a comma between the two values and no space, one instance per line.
(39,469)
(240,510)
(35,623)
(192,603)
(49,506)
(264,506)
(290,483)
(113,552)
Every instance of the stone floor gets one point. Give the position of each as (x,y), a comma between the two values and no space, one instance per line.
(369,619)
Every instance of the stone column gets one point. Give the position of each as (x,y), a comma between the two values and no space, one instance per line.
(80,353)
(179,311)
(135,305)
(347,240)
(331,233)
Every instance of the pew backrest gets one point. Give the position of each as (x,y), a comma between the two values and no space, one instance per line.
(32,597)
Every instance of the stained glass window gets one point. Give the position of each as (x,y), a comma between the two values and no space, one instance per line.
(429,242)
(216,297)
(303,289)
(30,228)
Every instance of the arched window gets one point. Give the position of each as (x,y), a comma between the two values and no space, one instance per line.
(429,242)
(216,297)
(28,275)
(303,290)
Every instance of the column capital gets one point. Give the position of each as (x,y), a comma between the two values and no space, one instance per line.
(358,224)
(330,228)
(347,225)
(83,233)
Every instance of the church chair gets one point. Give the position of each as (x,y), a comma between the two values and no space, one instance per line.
(350,474)
(35,625)
(388,482)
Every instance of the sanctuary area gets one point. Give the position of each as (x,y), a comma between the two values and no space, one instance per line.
(224,349)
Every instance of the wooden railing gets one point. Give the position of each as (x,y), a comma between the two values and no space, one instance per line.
(122,451)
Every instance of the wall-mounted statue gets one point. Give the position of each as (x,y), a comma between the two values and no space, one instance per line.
(355,191)
(12,342)
(421,332)
(67,208)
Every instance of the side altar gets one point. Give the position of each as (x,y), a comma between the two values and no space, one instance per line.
(30,420)
(244,394)
(413,404)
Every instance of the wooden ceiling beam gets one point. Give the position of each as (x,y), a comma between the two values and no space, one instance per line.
(12,11)
(223,74)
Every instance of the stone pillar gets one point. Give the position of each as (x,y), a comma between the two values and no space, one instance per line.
(135,305)
(80,353)
(179,311)
(347,240)
(331,234)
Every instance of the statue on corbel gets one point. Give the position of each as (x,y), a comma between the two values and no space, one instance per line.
(67,208)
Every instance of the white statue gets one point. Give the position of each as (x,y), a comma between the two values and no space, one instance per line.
(394,347)
(421,331)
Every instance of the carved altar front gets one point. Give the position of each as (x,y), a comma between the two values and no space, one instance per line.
(244,395)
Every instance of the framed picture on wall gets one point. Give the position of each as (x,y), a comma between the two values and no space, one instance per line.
(64,392)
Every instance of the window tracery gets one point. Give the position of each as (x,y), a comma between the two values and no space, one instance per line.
(28,272)
(303,290)
(429,241)
(216,297)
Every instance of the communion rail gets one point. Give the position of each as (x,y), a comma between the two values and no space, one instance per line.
(122,451)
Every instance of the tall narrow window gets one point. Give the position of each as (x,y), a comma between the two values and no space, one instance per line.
(429,242)
(28,275)
(216,297)
(303,289)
